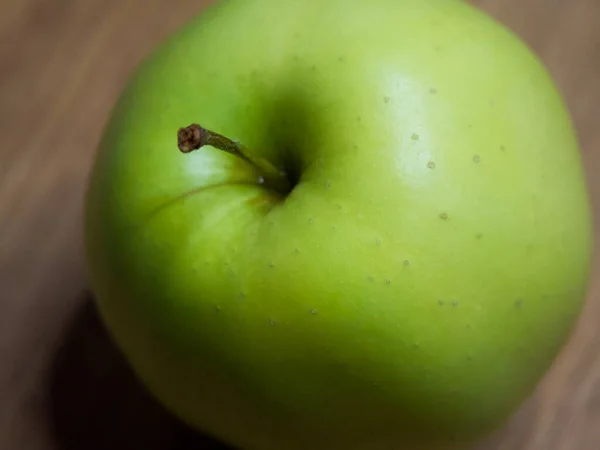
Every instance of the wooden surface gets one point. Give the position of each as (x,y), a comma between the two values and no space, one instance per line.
(62,384)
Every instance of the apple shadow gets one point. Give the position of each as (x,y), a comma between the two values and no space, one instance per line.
(96,403)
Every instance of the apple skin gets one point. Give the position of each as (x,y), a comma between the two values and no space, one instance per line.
(420,278)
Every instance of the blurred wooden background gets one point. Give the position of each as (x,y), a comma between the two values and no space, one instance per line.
(62,65)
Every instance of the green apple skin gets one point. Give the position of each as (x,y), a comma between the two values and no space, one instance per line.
(417,282)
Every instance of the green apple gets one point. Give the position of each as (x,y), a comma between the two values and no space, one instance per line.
(383,243)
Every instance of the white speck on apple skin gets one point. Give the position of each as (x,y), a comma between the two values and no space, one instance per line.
(311,220)
(378,241)
(388,281)
(313,312)
(406,263)
(454,302)
(272,322)
(476,159)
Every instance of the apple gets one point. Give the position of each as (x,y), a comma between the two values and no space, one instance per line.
(375,233)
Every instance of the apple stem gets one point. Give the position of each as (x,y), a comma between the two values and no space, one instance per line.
(195,137)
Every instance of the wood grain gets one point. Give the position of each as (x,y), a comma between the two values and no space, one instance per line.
(62,384)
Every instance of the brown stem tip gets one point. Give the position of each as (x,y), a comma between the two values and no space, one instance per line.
(191,138)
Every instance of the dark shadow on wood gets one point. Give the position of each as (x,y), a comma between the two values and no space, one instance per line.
(96,403)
